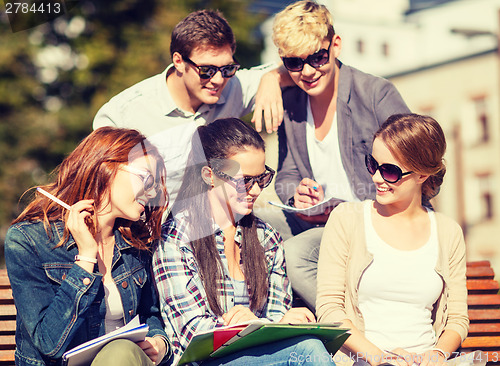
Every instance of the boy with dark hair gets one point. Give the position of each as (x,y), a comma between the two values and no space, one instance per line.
(202,84)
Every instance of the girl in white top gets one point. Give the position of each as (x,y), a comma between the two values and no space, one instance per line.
(397,290)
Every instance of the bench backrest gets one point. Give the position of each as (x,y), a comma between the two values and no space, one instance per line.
(7,321)
(484,311)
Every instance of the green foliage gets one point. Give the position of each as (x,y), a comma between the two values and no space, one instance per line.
(55,76)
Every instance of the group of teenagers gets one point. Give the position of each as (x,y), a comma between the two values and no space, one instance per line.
(162,223)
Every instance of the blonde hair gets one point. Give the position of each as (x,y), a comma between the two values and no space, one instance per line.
(301,28)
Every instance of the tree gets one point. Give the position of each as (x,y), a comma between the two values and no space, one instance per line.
(56,75)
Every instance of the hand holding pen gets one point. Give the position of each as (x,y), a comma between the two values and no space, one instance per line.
(77,223)
(308,193)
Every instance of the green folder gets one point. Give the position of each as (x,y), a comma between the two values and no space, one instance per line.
(201,346)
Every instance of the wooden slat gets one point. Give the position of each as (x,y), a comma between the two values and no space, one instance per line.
(484,314)
(7,356)
(482,342)
(8,326)
(480,272)
(484,328)
(6,296)
(488,285)
(478,264)
(484,300)
(7,342)
(7,310)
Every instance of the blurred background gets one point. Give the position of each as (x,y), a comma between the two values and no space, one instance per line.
(442,55)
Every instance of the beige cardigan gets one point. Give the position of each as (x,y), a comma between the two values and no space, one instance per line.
(343,258)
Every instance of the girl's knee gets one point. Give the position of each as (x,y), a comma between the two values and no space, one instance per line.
(121,352)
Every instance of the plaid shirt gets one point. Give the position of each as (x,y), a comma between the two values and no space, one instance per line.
(184,306)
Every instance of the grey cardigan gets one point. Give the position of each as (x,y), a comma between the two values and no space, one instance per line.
(364,102)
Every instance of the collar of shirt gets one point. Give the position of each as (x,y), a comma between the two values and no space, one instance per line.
(168,105)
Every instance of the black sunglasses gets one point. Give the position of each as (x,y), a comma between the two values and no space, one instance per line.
(245,183)
(208,71)
(316,60)
(390,173)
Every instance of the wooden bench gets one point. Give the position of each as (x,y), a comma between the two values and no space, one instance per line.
(484,311)
(7,321)
(483,301)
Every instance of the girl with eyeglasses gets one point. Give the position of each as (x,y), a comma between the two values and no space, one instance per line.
(218,264)
(392,269)
(79,256)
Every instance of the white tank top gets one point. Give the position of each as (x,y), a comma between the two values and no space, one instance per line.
(398,290)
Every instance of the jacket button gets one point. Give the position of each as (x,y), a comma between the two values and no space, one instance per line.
(140,280)
(64,276)
(86,281)
(124,284)
(131,312)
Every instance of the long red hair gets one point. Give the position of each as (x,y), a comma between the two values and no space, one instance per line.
(87,173)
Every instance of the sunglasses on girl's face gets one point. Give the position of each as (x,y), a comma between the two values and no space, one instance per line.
(148,181)
(390,173)
(208,71)
(316,60)
(245,183)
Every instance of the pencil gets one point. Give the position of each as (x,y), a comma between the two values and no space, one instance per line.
(53,198)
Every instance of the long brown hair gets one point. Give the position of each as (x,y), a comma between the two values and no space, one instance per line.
(417,142)
(213,143)
(87,173)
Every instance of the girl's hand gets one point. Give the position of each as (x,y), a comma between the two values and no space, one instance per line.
(75,222)
(238,314)
(402,357)
(298,316)
(431,358)
(154,347)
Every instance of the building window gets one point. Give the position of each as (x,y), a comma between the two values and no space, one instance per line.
(486,196)
(385,49)
(482,118)
(361,46)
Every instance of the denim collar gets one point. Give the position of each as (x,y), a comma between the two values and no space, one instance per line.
(120,243)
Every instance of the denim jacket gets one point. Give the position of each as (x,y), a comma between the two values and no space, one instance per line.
(59,304)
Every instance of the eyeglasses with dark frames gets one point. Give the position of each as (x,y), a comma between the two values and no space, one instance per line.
(148,180)
(208,71)
(390,173)
(316,60)
(245,183)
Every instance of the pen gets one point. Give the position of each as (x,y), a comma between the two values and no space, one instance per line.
(53,198)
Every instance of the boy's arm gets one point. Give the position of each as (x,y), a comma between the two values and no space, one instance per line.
(268,101)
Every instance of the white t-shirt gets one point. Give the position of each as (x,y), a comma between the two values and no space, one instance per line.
(326,163)
(398,290)
(114,307)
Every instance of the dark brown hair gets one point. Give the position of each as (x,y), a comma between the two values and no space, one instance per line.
(87,173)
(212,144)
(203,28)
(417,142)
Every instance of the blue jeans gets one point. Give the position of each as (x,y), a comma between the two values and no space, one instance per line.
(301,258)
(296,351)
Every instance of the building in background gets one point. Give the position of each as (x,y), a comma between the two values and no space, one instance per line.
(443,57)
